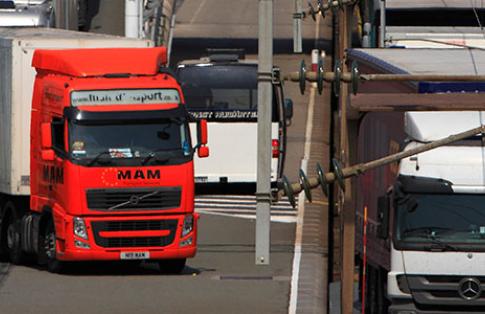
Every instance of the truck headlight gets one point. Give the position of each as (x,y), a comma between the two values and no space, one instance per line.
(80,228)
(188,225)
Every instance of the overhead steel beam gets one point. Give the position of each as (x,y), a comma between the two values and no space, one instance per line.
(418,102)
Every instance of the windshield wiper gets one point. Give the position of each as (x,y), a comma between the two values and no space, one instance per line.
(152,155)
(429,232)
(418,231)
(439,245)
(96,158)
(169,153)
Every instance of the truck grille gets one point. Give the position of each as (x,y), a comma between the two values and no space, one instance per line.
(113,200)
(134,225)
(447,292)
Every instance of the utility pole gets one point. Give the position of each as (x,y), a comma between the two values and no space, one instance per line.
(133,18)
(297,36)
(265,97)
(345,197)
(382,33)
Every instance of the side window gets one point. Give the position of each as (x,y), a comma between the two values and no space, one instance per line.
(277,114)
(58,135)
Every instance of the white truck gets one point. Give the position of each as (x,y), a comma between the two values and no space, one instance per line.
(66,14)
(17,46)
(434,37)
(426,216)
(429,13)
(222,88)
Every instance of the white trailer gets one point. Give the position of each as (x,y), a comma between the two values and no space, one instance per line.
(434,37)
(17,46)
(426,218)
(430,13)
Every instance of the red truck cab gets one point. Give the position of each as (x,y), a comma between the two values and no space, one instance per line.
(111,160)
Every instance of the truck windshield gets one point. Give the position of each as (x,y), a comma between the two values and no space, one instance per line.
(437,219)
(141,141)
(228,87)
(222,92)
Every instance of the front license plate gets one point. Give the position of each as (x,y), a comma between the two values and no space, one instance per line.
(201,179)
(135,255)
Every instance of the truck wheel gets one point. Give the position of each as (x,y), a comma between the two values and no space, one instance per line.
(172,266)
(382,302)
(3,242)
(12,230)
(371,294)
(49,248)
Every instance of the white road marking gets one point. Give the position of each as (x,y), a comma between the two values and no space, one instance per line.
(295,273)
(242,207)
(197,12)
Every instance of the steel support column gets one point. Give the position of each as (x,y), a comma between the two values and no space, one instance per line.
(265,97)
(345,200)
(297,31)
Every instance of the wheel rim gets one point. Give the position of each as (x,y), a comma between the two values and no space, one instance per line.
(50,245)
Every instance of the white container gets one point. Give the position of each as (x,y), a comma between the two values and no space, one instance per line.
(17,46)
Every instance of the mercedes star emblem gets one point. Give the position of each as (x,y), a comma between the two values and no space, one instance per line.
(469,288)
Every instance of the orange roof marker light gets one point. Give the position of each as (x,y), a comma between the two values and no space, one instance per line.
(80,62)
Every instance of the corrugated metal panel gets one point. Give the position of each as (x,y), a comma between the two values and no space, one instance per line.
(423,61)
(428,126)
(422,4)
(5,112)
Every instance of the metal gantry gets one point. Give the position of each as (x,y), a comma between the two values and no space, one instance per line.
(355,78)
(324,179)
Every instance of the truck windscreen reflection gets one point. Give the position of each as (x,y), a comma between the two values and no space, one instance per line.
(449,218)
(137,139)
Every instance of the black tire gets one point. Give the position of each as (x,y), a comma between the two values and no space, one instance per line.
(172,266)
(371,293)
(12,235)
(48,246)
(382,301)
(3,241)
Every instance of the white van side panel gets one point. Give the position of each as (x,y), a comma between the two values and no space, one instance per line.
(233,153)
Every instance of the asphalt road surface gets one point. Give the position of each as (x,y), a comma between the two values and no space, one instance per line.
(222,278)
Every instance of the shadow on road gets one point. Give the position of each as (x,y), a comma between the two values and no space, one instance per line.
(115,268)
(242,248)
(221,188)
(4,269)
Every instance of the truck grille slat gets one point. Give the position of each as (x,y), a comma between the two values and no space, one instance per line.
(444,291)
(133,199)
(134,225)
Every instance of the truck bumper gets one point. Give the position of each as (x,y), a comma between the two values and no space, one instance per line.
(104,255)
(408,307)
(110,238)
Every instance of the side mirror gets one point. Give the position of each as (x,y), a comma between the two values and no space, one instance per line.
(46,135)
(383,207)
(203,152)
(202,132)
(288,109)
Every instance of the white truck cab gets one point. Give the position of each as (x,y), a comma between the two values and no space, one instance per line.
(438,204)
(222,88)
